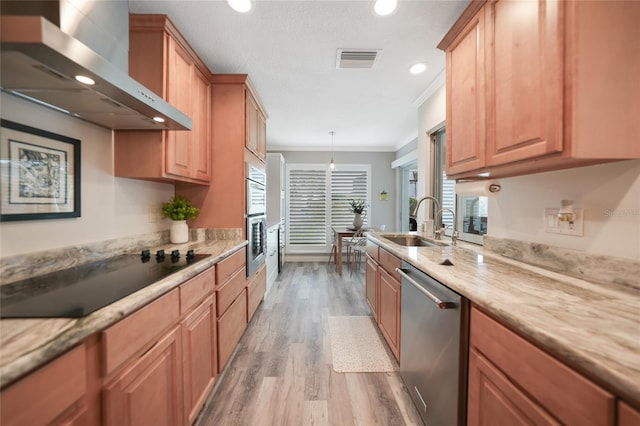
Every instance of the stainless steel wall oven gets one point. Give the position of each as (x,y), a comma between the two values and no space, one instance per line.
(256,218)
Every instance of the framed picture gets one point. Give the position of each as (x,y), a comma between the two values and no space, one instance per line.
(39,174)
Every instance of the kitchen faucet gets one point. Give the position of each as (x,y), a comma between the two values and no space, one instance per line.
(435,203)
(440,230)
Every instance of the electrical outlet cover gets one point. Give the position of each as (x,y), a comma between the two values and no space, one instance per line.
(553,225)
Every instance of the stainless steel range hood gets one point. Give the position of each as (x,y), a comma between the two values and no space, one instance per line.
(39,62)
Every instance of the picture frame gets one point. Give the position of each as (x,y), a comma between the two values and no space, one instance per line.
(39,174)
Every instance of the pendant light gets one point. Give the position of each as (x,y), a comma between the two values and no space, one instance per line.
(332,164)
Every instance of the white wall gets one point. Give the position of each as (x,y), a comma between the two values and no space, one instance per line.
(111,207)
(431,114)
(608,193)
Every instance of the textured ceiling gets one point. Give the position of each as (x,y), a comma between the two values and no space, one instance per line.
(288,48)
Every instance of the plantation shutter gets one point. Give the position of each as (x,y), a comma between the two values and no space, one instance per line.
(307,207)
(346,185)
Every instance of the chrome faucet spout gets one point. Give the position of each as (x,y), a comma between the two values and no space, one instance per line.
(428,197)
(440,230)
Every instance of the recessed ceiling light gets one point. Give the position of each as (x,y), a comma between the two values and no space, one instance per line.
(158,119)
(417,68)
(242,6)
(385,7)
(85,80)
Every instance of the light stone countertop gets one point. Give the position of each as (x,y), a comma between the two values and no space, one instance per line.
(26,344)
(593,327)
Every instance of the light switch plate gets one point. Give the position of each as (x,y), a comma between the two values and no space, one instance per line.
(553,225)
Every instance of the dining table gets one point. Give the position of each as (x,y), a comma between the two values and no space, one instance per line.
(340,233)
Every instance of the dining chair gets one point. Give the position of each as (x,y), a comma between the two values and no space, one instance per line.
(334,246)
(356,245)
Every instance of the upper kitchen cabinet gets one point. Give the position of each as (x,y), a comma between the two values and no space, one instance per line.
(256,131)
(534,86)
(161,59)
(234,105)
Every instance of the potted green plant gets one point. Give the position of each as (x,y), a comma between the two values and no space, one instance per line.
(179,210)
(357,207)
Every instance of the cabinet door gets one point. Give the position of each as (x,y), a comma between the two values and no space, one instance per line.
(524,79)
(262,136)
(179,94)
(199,354)
(231,325)
(201,156)
(149,391)
(251,117)
(627,416)
(371,286)
(493,399)
(389,310)
(466,109)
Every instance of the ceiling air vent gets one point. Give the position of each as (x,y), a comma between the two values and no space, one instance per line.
(356,58)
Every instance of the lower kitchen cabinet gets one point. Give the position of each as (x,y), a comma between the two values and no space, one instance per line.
(231,325)
(383,294)
(627,416)
(371,286)
(512,380)
(52,395)
(256,287)
(149,390)
(389,310)
(199,356)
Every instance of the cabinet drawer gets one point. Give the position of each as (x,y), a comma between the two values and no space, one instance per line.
(226,267)
(227,293)
(231,325)
(129,336)
(194,290)
(48,392)
(255,291)
(389,263)
(372,250)
(570,397)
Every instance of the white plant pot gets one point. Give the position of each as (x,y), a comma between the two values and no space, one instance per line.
(357,221)
(179,232)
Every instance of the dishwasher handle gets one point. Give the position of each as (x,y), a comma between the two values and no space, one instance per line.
(434,299)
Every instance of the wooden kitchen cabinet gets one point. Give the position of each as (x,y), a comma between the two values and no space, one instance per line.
(627,415)
(371,286)
(231,326)
(513,380)
(389,310)
(383,293)
(149,391)
(256,287)
(161,59)
(52,394)
(200,356)
(466,98)
(235,134)
(531,86)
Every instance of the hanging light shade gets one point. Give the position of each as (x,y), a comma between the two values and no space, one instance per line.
(332,165)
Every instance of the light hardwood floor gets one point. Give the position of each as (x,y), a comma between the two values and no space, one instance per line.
(281,373)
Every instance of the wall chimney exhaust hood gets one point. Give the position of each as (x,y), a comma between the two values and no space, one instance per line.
(39,62)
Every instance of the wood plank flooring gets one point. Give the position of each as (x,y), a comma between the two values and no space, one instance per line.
(281,373)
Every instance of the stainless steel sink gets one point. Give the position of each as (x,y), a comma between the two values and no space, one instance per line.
(411,241)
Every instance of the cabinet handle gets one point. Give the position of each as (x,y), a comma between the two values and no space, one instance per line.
(434,299)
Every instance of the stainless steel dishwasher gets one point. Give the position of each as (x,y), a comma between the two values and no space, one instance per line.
(434,347)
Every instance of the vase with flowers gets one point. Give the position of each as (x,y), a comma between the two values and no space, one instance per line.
(358,209)
(179,210)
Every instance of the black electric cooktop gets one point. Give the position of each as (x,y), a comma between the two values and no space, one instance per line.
(81,290)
